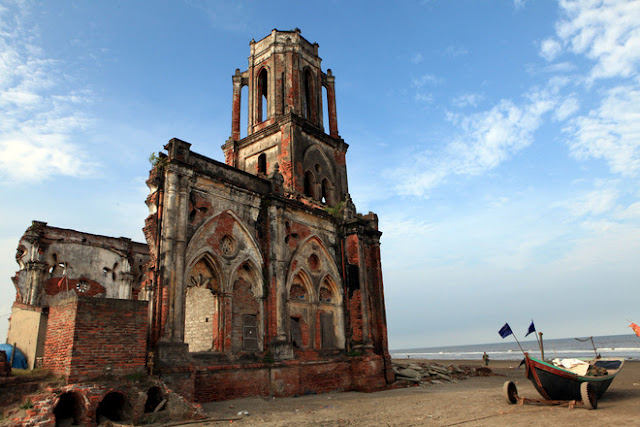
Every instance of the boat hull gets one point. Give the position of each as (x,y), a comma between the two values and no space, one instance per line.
(559,384)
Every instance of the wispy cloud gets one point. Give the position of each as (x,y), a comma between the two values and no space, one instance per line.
(593,203)
(455,51)
(487,139)
(466,100)
(417,58)
(39,114)
(424,80)
(607,32)
(610,132)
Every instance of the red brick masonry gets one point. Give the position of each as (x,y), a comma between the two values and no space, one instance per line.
(91,337)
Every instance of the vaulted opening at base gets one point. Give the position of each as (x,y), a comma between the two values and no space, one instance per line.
(155,400)
(69,410)
(114,406)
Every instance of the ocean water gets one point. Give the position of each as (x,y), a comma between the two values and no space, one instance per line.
(627,346)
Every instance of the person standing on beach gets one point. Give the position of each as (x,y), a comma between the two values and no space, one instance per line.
(485,358)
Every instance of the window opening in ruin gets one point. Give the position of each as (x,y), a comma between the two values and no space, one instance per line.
(155,400)
(307,109)
(69,410)
(326,192)
(249,332)
(114,406)
(263,104)
(296,332)
(308,184)
(297,292)
(325,294)
(282,90)
(262,163)
(327,331)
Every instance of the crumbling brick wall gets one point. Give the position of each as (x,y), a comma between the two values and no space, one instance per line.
(91,337)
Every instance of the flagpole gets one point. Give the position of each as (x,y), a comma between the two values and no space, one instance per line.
(514,337)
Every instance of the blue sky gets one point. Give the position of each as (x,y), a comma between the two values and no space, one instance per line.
(498,141)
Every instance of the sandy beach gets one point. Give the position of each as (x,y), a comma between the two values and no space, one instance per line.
(476,401)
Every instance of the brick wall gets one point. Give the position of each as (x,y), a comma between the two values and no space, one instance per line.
(215,383)
(90,337)
(60,336)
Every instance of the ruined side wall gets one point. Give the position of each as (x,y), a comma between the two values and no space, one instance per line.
(90,337)
(28,330)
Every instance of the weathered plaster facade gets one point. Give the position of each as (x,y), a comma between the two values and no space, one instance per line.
(261,277)
(57,263)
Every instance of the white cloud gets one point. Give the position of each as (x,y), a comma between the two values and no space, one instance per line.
(519,4)
(630,212)
(567,108)
(606,31)
(455,51)
(466,100)
(417,58)
(39,113)
(594,203)
(423,97)
(424,80)
(610,132)
(549,49)
(486,140)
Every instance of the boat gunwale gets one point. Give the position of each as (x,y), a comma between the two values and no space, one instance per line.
(564,373)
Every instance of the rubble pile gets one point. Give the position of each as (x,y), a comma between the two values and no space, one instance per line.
(422,372)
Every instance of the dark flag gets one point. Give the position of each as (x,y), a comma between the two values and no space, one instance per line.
(531,329)
(505,331)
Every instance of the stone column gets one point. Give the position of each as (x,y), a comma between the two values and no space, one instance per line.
(235,111)
(35,274)
(180,250)
(331,107)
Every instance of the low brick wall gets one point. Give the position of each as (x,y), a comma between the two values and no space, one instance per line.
(215,383)
(91,337)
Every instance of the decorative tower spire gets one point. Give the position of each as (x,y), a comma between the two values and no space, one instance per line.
(285,122)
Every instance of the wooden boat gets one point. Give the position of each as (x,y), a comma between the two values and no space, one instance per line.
(559,384)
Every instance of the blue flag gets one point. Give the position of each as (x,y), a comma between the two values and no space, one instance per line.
(532,328)
(505,331)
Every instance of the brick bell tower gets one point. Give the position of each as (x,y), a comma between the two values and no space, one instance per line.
(285,119)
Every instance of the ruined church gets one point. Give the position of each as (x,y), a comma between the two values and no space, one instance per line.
(258,276)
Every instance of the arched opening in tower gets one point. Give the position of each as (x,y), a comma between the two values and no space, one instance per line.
(263,94)
(308,106)
(308,184)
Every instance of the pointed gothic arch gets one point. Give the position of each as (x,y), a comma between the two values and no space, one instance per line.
(203,305)
(263,95)
(229,242)
(247,311)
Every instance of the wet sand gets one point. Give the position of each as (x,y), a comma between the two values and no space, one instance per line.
(476,401)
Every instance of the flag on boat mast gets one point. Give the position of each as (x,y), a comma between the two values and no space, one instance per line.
(532,328)
(635,328)
(505,331)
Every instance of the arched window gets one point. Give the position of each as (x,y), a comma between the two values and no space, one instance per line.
(262,164)
(308,104)
(263,95)
(327,192)
(308,184)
